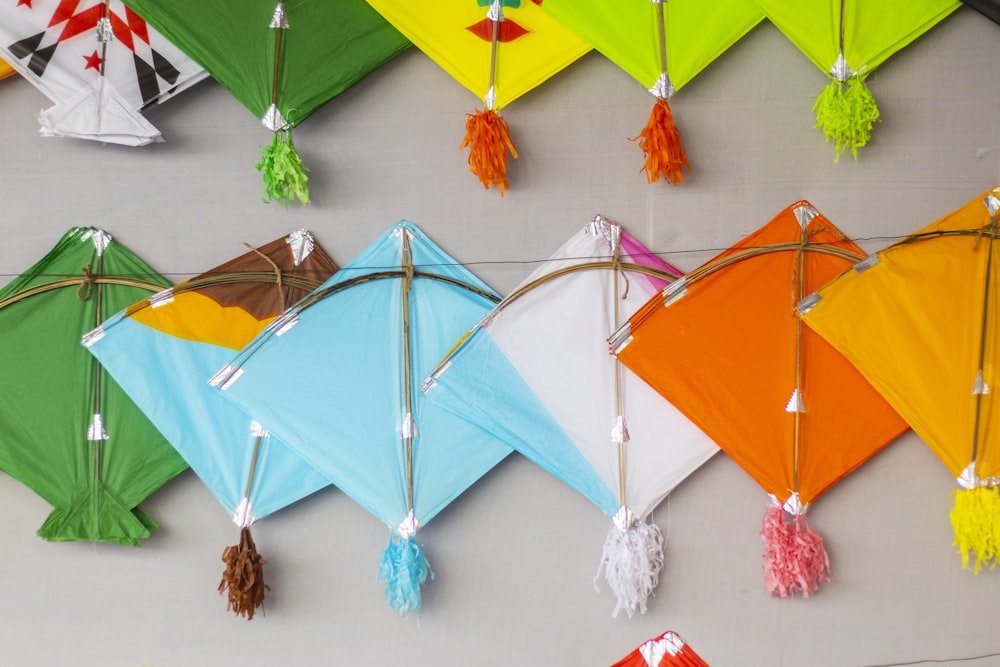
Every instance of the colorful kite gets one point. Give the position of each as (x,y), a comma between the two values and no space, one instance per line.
(848,39)
(67,431)
(499,50)
(726,347)
(662,45)
(536,372)
(100,64)
(164,349)
(353,411)
(919,320)
(667,650)
(281,63)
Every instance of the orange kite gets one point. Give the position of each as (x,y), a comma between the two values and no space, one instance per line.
(727,348)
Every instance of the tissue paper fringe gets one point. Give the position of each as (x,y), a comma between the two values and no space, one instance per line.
(795,559)
(631,561)
(975,517)
(404,569)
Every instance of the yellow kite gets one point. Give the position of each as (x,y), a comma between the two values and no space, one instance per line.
(499,50)
(919,320)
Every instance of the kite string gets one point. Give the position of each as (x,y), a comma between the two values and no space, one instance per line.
(275,268)
(88,283)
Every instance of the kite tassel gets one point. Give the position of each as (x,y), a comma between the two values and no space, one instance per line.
(660,142)
(631,561)
(404,569)
(243,576)
(282,170)
(846,112)
(795,559)
(487,136)
(975,517)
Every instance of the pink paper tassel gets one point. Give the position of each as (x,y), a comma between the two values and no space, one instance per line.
(795,559)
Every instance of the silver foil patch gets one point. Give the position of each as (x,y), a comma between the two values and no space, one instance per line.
(92,336)
(841,71)
(624,518)
(431,380)
(225,377)
(243,516)
(95,431)
(619,433)
(301,243)
(620,338)
(283,323)
(664,87)
(807,303)
(105,33)
(992,204)
(979,386)
(161,298)
(804,214)
(273,120)
(795,402)
(409,526)
(99,237)
(279,19)
(409,427)
(865,264)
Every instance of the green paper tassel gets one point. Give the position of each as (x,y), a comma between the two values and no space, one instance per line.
(846,111)
(283,172)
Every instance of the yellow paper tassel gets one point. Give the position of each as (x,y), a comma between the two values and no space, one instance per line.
(660,141)
(488,137)
(976,520)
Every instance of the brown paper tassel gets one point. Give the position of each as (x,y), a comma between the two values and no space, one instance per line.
(243,576)
(488,137)
(660,141)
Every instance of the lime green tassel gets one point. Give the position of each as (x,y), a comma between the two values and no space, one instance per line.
(846,115)
(283,172)
(976,520)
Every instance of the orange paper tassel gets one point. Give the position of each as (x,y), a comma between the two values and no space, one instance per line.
(488,138)
(660,141)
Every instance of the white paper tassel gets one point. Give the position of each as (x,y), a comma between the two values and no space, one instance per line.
(632,560)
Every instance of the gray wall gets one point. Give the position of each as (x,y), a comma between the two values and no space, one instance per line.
(514,556)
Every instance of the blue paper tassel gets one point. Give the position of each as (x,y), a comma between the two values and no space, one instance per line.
(404,570)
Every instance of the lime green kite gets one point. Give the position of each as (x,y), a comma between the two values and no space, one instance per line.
(662,45)
(848,39)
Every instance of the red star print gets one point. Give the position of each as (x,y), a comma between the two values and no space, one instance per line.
(26,3)
(93,62)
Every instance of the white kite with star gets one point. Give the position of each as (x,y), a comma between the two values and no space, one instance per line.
(98,62)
